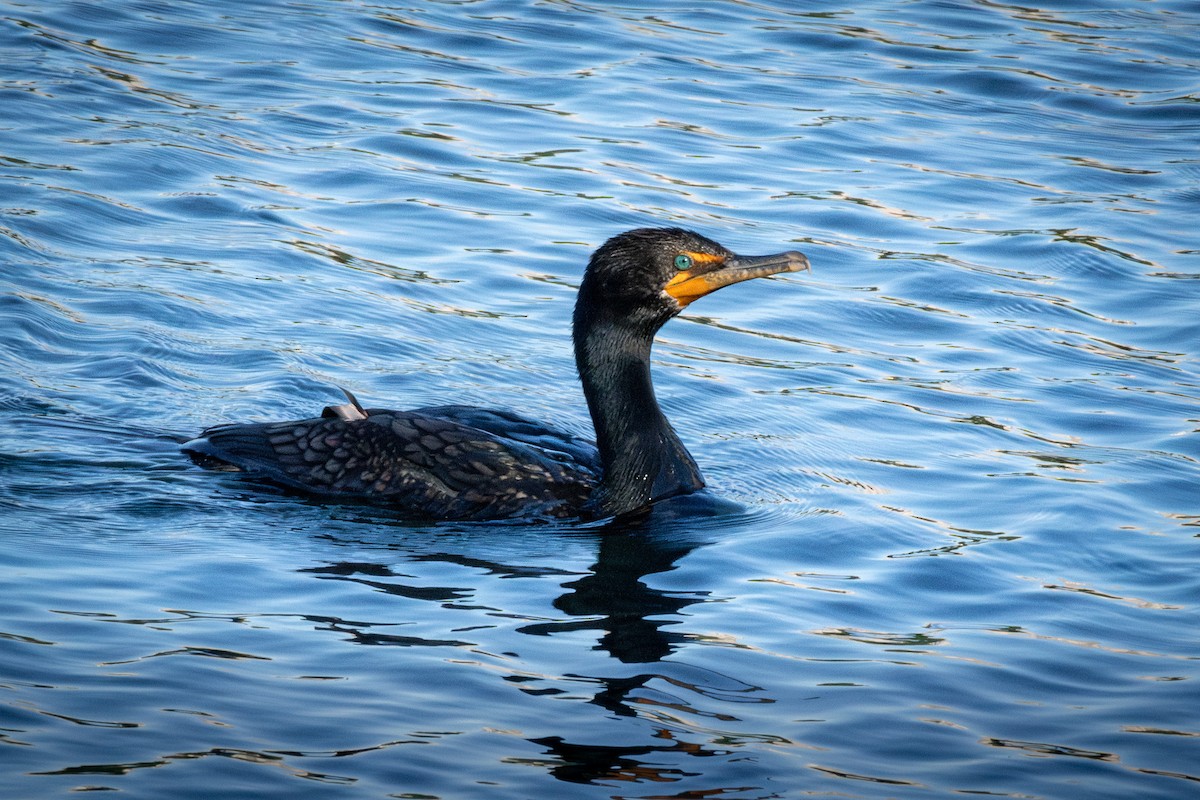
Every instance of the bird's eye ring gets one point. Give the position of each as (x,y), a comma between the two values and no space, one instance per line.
(683,261)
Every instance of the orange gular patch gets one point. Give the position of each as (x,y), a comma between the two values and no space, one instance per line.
(689,284)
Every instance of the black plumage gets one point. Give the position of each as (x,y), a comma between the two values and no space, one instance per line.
(443,462)
(461,462)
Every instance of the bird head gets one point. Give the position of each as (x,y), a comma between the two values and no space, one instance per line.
(646,276)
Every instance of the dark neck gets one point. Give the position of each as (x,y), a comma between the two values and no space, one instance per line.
(642,457)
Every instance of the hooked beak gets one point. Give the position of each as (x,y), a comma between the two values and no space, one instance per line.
(708,275)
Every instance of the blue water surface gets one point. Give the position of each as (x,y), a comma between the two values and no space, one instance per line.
(958,466)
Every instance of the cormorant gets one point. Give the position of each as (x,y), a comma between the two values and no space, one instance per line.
(463,462)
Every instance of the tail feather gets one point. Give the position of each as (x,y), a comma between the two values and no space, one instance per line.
(235,448)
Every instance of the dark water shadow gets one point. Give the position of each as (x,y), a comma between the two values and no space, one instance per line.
(634,620)
(635,623)
(612,597)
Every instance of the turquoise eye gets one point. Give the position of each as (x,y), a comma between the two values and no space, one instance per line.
(683,262)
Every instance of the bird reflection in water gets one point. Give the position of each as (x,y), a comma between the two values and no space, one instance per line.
(634,617)
(636,624)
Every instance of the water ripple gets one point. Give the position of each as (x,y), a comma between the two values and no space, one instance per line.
(951,472)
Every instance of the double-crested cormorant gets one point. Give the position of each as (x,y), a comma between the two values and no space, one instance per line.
(461,462)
